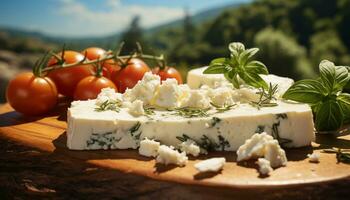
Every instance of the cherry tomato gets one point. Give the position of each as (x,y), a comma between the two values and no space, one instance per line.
(31,95)
(110,67)
(168,72)
(66,79)
(93,53)
(128,76)
(91,86)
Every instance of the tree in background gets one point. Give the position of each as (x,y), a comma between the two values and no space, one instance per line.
(281,54)
(327,45)
(132,35)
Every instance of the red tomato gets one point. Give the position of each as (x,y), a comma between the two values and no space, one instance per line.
(31,95)
(110,67)
(168,72)
(91,86)
(66,79)
(93,53)
(128,76)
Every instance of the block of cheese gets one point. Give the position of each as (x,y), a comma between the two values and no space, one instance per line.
(184,118)
(196,79)
(90,129)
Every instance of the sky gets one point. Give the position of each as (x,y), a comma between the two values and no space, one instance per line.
(86,18)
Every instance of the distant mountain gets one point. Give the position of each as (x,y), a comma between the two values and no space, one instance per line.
(111,40)
(197,18)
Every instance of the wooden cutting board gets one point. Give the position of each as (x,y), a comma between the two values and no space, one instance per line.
(48,134)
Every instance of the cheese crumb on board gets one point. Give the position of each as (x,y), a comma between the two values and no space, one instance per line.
(149,148)
(314,157)
(190,147)
(264,166)
(168,155)
(262,145)
(210,165)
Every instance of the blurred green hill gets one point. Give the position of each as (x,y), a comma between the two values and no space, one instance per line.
(293,36)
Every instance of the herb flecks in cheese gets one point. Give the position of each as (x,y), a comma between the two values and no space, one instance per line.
(264,166)
(102,141)
(210,165)
(168,155)
(149,148)
(262,145)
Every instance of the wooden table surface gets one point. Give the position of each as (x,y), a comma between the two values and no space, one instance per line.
(31,173)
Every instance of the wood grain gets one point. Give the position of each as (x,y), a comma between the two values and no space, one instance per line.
(48,134)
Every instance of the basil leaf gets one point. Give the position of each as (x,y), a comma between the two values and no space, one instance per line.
(344,102)
(216,69)
(218,61)
(246,55)
(306,91)
(329,116)
(333,77)
(232,77)
(236,47)
(257,67)
(253,79)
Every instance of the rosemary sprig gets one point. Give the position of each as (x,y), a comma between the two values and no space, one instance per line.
(189,112)
(266,97)
(224,108)
(109,105)
(343,155)
(149,111)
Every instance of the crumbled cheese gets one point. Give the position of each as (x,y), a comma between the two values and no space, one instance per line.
(168,94)
(144,90)
(136,108)
(314,157)
(108,94)
(221,96)
(190,147)
(168,155)
(264,166)
(210,165)
(149,148)
(197,99)
(262,145)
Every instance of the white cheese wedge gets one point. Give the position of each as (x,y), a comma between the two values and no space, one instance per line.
(262,145)
(210,165)
(149,148)
(91,129)
(88,128)
(264,166)
(168,155)
(314,157)
(196,79)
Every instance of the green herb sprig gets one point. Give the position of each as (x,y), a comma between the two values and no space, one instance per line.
(109,105)
(239,66)
(224,108)
(324,94)
(341,154)
(189,112)
(266,96)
